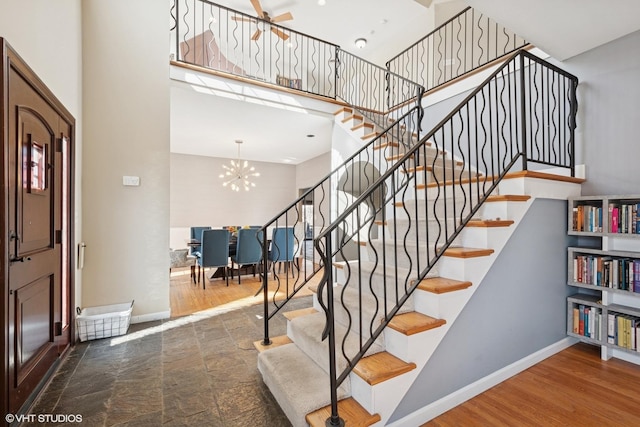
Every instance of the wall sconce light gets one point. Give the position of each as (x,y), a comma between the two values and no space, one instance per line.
(361,43)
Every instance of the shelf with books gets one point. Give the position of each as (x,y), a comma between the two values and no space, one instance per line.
(584,319)
(623,328)
(604,268)
(618,271)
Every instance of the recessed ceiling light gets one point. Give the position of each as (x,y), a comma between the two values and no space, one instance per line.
(311,135)
(322,2)
(361,43)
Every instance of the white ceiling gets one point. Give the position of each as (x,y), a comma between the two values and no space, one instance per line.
(564,28)
(208,124)
(203,124)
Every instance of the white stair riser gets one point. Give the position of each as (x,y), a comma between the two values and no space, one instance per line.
(442,306)
(464,269)
(389,254)
(378,288)
(411,348)
(352,309)
(484,237)
(501,210)
(375,398)
(434,209)
(541,188)
(418,227)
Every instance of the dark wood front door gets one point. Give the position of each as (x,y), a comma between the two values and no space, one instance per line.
(38,217)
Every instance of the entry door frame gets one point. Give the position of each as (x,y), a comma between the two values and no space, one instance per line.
(11,60)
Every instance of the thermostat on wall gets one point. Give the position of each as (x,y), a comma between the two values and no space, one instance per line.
(131,181)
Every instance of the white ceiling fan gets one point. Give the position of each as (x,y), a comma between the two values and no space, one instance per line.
(262,14)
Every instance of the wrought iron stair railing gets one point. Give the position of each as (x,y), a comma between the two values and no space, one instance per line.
(459,46)
(330,196)
(523,114)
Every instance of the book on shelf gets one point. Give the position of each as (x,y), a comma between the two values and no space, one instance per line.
(611,328)
(287,82)
(581,319)
(636,275)
(587,218)
(576,320)
(623,218)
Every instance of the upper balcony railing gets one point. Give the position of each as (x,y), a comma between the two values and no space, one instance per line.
(225,40)
(222,39)
(464,43)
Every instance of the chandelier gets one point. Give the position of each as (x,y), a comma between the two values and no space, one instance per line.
(238,174)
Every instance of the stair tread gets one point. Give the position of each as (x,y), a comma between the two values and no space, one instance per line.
(290,315)
(512,175)
(380,367)
(413,322)
(442,285)
(275,342)
(396,157)
(462,252)
(362,125)
(352,117)
(507,198)
(343,110)
(370,135)
(350,411)
(385,145)
(489,223)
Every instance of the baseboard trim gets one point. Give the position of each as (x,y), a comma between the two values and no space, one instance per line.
(151,317)
(454,399)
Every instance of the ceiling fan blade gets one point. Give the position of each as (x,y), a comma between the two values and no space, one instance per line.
(258,8)
(279,33)
(242,19)
(284,17)
(256,35)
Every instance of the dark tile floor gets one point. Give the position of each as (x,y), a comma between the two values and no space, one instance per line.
(198,370)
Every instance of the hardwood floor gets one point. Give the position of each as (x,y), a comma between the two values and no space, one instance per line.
(572,388)
(187,298)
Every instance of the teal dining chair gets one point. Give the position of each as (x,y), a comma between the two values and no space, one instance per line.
(195,234)
(248,251)
(282,249)
(214,253)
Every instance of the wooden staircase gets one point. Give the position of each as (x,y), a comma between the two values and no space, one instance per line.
(379,380)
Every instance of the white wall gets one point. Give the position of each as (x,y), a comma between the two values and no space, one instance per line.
(198,197)
(126,132)
(309,173)
(608,110)
(47,35)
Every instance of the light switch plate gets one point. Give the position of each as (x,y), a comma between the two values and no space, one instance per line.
(131,181)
